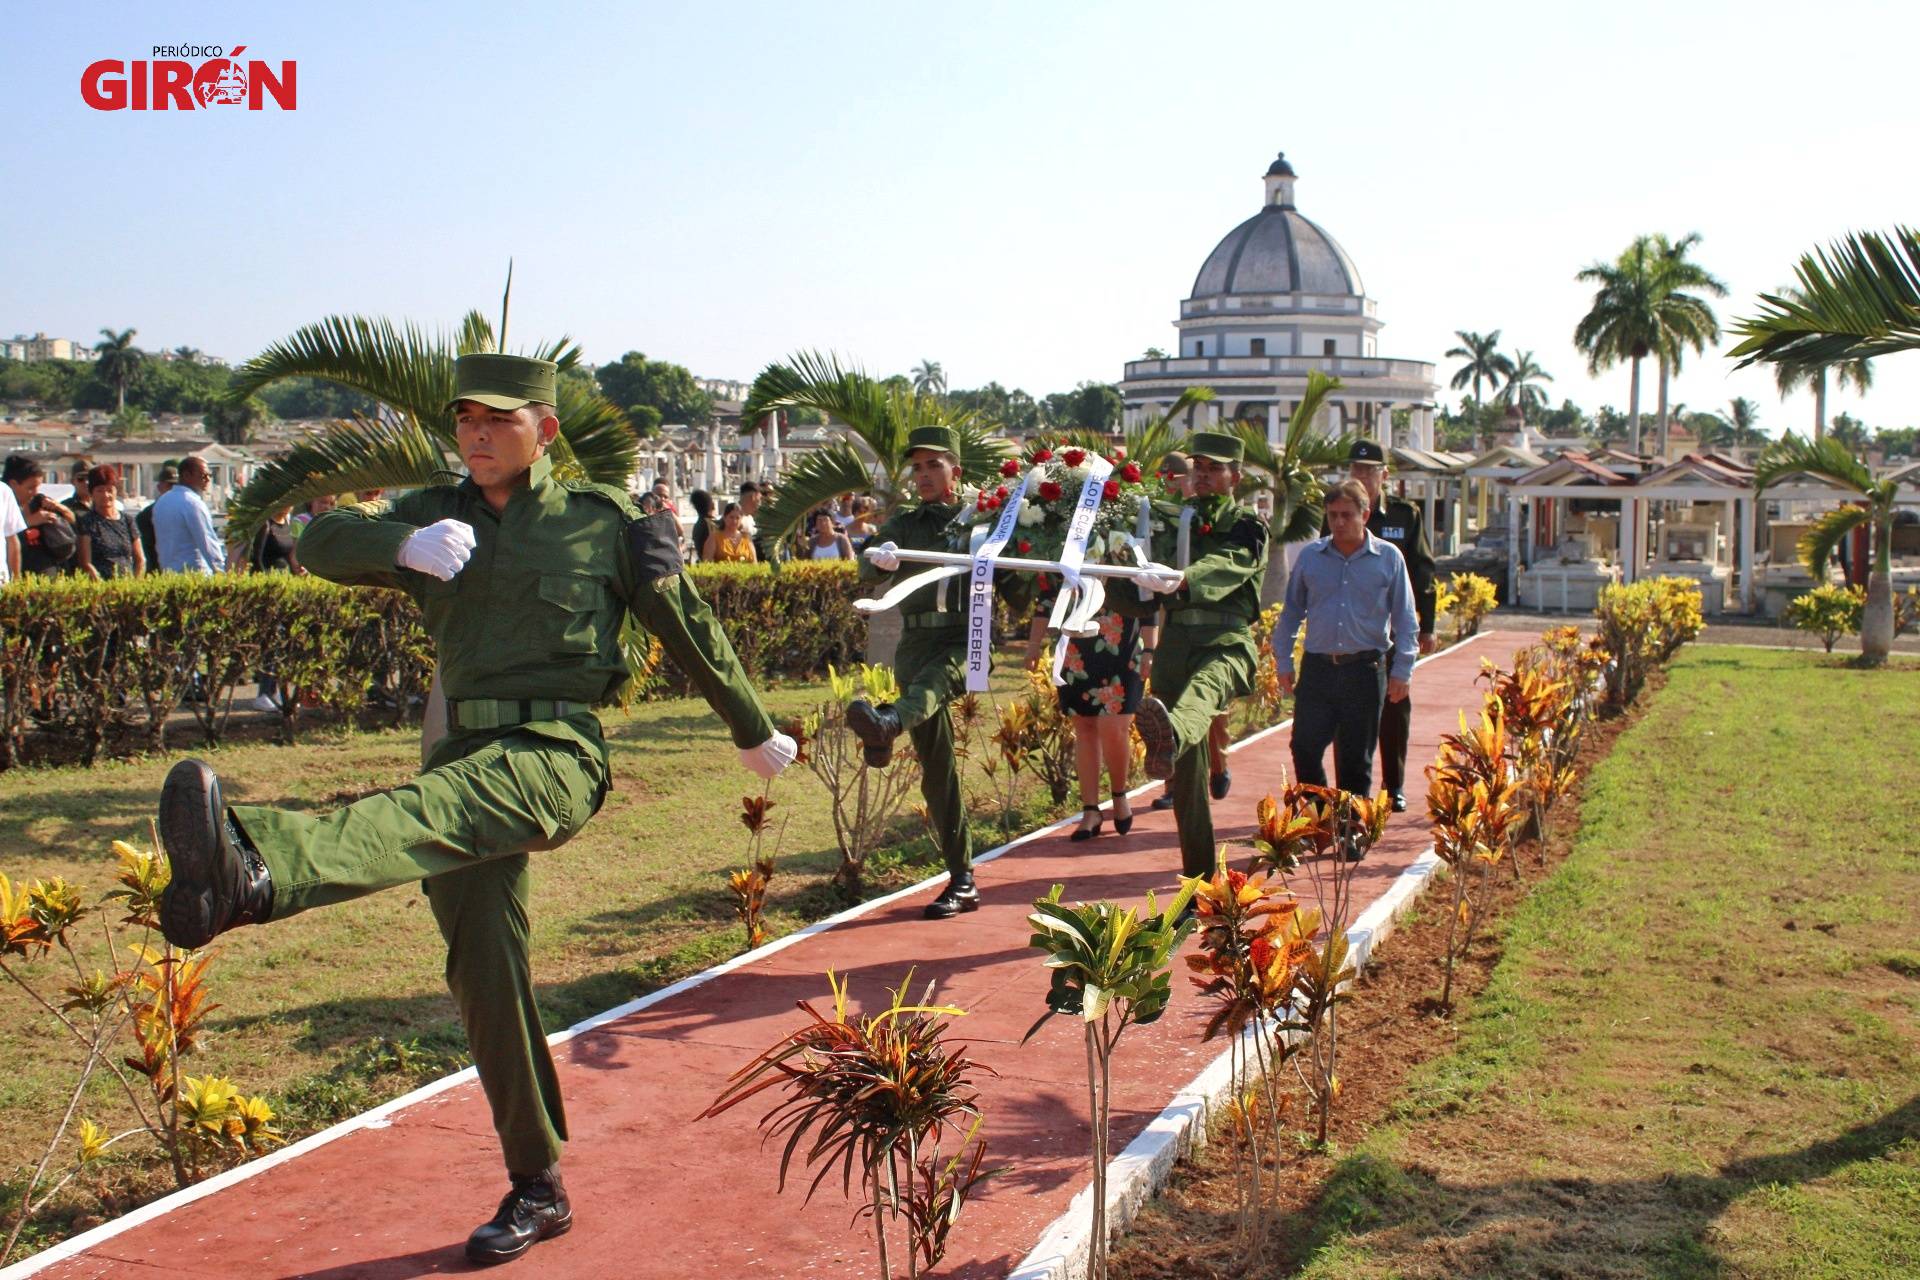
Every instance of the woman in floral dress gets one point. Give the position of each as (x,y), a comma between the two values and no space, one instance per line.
(1102,691)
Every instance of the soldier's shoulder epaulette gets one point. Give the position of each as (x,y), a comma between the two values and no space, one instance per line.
(619,499)
(1249,530)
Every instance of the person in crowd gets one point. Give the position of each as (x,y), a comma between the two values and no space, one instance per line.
(81,502)
(663,494)
(523,581)
(750,498)
(12,524)
(272,551)
(702,521)
(48,542)
(183,527)
(860,527)
(729,542)
(1205,655)
(109,538)
(1352,592)
(1102,692)
(827,542)
(169,476)
(316,507)
(1404,524)
(1177,470)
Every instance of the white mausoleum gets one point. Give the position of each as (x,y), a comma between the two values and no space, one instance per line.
(1275,299)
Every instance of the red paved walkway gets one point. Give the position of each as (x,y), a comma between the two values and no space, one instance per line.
(657,1196)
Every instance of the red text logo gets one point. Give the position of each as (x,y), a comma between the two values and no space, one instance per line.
(169,81)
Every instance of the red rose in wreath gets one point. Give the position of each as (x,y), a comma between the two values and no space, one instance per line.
(1074,457)
(1024,546)
(1043,455)
(1000,492)
(1110,490)
(1131,473)
(1011,467)
(1049,491)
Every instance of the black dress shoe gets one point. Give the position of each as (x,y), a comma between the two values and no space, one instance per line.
(1399,801)
(876,727)
(1122,825)
(959,895)
(1088,833)
(1220,783)
(1156,730)
(1161,803)
(535,1210)
(219,880)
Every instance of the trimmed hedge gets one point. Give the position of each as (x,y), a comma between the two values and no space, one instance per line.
(103,666)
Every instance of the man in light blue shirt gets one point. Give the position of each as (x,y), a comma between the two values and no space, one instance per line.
(183,527)
(1353,592)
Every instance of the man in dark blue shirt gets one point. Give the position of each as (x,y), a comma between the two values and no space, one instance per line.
(1351,591)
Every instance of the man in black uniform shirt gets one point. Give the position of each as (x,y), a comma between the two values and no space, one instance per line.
(1404,524)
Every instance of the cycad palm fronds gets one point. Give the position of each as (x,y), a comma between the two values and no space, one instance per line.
(366,453)
(1823,537)
(402,366)
(1794,454)
(1858,298)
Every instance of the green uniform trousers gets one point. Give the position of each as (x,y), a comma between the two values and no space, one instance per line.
(464,827)
(1197,672)
(931,667)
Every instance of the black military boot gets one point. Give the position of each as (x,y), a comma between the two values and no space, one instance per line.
(876,727)
(1156,730)
(219,879)
(959,895)
(535,1210)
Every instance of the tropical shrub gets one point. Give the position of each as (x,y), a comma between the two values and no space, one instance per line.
(1112,968)
(135,1021)
(878,1094)
(864,800)
(1466,598)
(1642,624)
(1829,612)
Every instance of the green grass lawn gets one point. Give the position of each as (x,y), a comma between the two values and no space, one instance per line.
(1700,1054)
(636,901)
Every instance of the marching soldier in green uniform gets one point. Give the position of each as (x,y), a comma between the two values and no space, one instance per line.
(523,581)
(930,663)
(1403,524)
(1206,656)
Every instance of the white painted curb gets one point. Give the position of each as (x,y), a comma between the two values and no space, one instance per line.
(1136,1175)
(381,1116)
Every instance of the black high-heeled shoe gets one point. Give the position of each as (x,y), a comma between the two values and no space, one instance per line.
(1088,833)
(1122,825)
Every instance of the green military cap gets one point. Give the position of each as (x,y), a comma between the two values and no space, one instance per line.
(1217,445)
(945,439)
(503,382)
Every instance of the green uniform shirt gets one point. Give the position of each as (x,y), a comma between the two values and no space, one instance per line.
(1227,554)
(1404,524)
(537,610)
(922,527)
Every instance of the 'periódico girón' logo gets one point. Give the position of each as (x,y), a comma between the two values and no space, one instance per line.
(167,81)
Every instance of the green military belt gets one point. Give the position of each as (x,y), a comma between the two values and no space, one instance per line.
(499,713)
(934,621)
(1206,618)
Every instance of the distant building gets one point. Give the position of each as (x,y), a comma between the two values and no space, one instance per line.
(1276,298)
(724,388)
(41,347)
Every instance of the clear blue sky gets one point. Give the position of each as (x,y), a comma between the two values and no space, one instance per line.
(1021,191)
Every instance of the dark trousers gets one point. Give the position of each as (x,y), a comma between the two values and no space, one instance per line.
(1337,705)
(931,666)
(1396,722)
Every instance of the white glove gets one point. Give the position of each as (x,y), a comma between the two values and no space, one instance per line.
(440,550)
(884,557)
(1163,582)
(770,757)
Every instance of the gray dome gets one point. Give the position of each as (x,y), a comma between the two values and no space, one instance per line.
(1278,251)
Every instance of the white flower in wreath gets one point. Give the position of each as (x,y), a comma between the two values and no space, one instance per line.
(967,495)
(1031,513)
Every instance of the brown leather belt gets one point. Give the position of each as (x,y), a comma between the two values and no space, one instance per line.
(1366,657)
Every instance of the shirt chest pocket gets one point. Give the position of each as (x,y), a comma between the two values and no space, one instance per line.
(569,613)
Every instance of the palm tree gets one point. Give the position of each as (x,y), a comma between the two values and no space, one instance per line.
(409,442)
(1290,475)
(118,360)
(1522,373)
(929,379)
(1744,416)
(1857,299)
(872,456)
(1787,377)
(1830,460)
(1686,322)
(1622,323)
(1484,363)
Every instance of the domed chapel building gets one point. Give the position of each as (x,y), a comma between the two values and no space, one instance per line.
(1279,297)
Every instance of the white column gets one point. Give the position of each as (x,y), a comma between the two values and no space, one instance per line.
(1743,529)
(1426,428)
(1629,540)
(1213,413)
(770,461)
(1273,423)
(1516,546)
